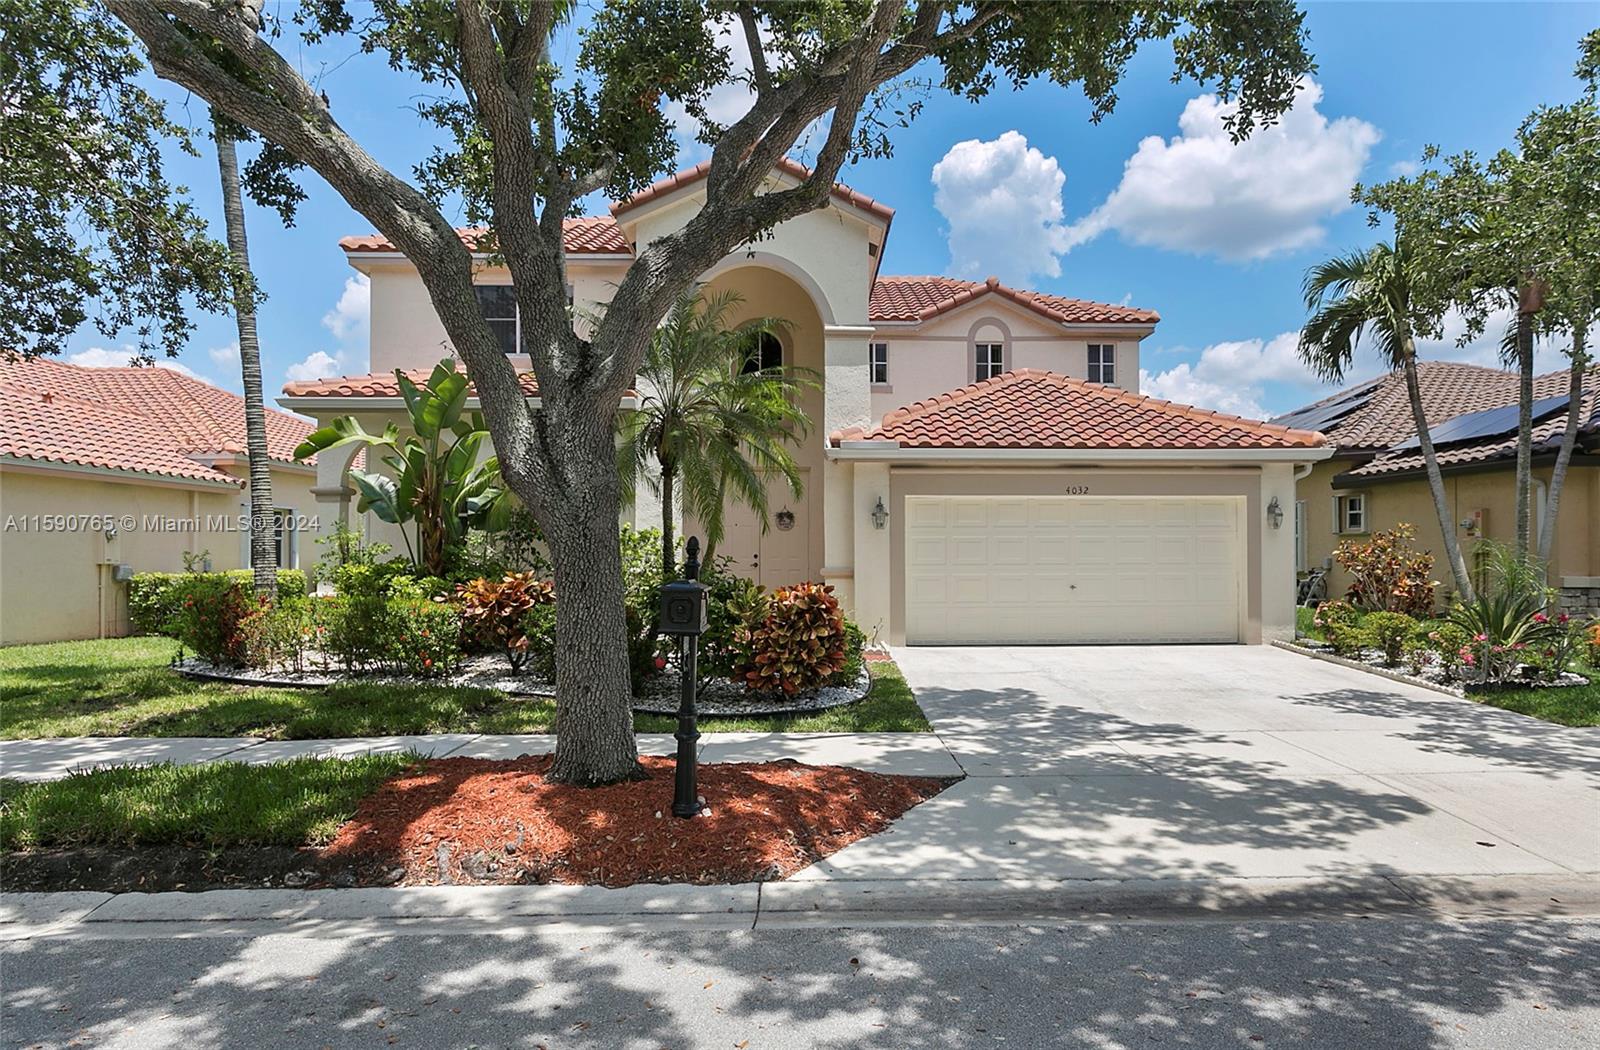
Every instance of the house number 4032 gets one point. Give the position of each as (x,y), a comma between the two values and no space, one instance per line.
(1077,490)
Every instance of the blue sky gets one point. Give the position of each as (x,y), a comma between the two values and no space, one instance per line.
(1150,206)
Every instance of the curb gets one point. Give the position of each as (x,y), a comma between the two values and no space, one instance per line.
(809,903)
(1381,672)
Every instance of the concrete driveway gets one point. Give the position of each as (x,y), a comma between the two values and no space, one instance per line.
(1224,762)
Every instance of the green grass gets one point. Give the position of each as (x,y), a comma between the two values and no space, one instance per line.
(123,687)
(299,802)
(889,707)
(1573,705)
(1304,625)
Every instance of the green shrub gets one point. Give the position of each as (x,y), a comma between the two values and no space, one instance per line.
(154,598)
(735,607)
(1341,625)
(801,643)
(1448,642)
(641,598)
(1390,632)
(280,634)
(539,628)
(350,630)
(421,637)
(855,641)
(210,614)
(1506,620)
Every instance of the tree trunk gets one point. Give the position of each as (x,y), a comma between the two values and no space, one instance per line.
(263,548)
(1569,440)
(1524,432)
(594,690)
(669,566)
(1447,524)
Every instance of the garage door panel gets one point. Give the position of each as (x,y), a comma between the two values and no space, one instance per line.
(1072,569)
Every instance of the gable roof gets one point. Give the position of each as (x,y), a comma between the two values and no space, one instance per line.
(1382,419)
(689,176)
(920,298)
(1030,408)
(148,420)
(585,235)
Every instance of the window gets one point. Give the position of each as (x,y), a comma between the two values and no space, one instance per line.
(764,352)
(1350,513)
(991,361)
(498,304)
(878,363)
(285,540)
(1102,363)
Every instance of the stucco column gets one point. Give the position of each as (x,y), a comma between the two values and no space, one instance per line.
(873,571)
(1277,553)
(332,491)
(847,402)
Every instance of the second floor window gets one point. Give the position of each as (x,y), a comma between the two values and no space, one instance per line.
(991,361)
(878,362)
(498,304)
(1102,363)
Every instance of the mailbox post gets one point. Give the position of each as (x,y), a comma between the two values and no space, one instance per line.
(683,615)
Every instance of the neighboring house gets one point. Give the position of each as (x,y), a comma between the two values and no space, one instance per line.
(106,472)
(1376,477)
(1029,494)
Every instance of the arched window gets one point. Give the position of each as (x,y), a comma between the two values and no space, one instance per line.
(763,352)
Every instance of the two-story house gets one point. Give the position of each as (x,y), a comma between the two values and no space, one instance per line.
(981,468)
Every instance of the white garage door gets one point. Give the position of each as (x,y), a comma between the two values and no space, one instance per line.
(1054,569)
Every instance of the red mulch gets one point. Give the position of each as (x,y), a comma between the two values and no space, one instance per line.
(471,820)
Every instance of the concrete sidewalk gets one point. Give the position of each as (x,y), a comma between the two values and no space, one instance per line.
(911,754)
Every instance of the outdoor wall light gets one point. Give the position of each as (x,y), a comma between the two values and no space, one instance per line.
(880,515)
(1275,513)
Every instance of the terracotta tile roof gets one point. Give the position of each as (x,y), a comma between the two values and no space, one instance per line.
(1029,408)
(152,420)
(1449,388)
(1547,433)
(588,235)
(919,298)
(664,186)
(380,384)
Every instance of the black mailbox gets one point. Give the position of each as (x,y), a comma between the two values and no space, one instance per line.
(683,608)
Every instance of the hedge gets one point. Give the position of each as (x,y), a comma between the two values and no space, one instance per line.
(153,596)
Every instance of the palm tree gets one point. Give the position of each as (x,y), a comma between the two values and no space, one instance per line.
(1372,289)
(708,423)
(263,550)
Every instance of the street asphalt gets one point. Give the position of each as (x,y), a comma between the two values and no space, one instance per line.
(1363,984)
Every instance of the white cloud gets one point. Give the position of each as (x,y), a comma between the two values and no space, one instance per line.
(1002,200)
(1199,192)
(349,317)
(728,101)
(319,365)
(1232,376)
(1405,168)
(224,355)
(103,357)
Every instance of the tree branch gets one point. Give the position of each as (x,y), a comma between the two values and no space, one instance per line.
(758,53)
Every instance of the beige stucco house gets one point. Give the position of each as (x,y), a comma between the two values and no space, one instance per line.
(1376,478)
(982,467)
(105,472)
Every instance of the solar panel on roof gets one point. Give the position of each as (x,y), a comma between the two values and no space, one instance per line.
(1490,422)
(1320,415)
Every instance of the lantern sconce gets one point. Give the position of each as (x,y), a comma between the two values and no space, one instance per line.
(880,515)
(1275,513)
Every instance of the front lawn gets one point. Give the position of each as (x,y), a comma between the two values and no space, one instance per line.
(123,687)
(219,804)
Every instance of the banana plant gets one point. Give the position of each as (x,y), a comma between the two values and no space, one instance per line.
(435,482)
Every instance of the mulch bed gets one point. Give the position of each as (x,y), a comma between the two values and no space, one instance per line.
(469,821)
(478,821)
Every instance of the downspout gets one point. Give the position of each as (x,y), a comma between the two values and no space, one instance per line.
(1303,471)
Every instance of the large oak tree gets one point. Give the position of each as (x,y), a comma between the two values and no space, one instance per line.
(532,138)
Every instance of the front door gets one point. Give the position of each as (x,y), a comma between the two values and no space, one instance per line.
(780,555)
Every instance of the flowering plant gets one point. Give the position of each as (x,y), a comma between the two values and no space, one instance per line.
(1387,574)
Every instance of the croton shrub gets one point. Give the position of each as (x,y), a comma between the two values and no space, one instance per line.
(802,642)
(1387,574)
(494,613)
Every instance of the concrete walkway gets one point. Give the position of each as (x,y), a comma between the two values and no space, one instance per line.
(912,754)
(1224,762)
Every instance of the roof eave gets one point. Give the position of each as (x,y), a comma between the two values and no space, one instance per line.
(893,451)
